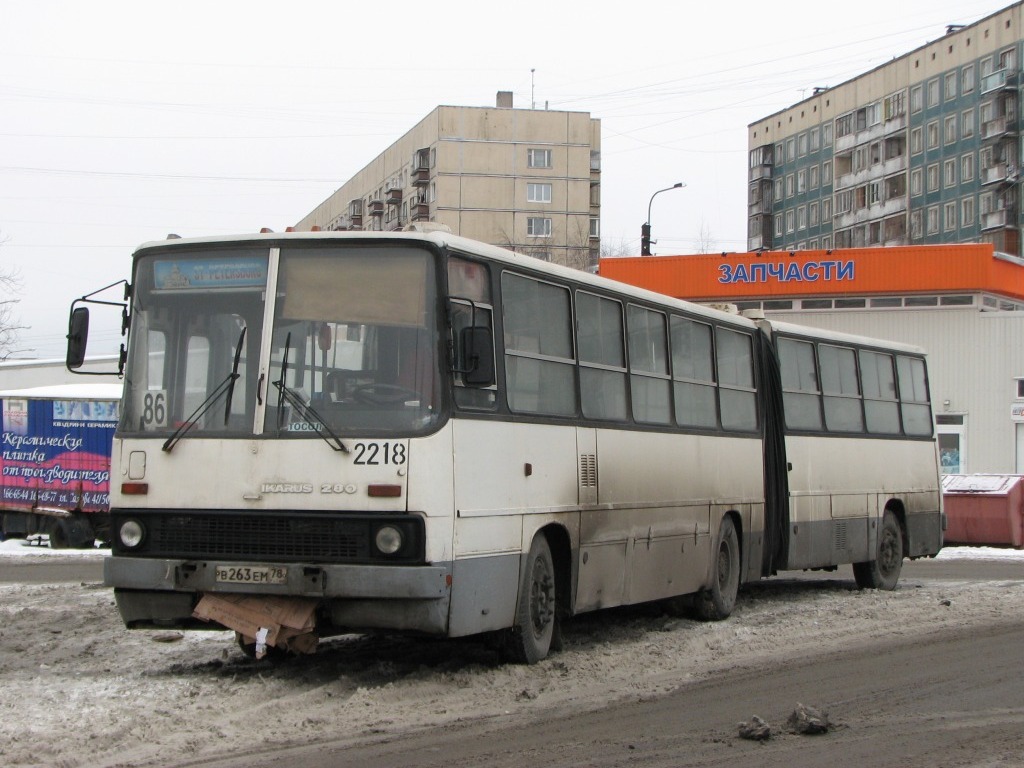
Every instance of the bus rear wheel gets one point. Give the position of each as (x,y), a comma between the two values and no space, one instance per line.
(717,602)
(532,636)
(884,571)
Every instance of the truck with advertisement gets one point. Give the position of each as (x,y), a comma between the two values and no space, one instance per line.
(55,462)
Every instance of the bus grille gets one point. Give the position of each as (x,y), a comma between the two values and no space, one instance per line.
(266,537)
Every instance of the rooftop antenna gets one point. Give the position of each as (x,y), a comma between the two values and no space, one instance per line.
(533,104)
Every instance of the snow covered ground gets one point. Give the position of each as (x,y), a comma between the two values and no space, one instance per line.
(79,690)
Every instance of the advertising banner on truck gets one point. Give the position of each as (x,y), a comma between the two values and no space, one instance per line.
(55,453)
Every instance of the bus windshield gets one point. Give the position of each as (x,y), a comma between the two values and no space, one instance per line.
(352,346)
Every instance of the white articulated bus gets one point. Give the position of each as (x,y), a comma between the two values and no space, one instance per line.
(415,431)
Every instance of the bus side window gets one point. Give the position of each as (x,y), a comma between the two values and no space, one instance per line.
(801,394)
(878,380)
(602,357)
(693,371)
(737,396)
(914,399)
(843,411)
(650,386)
(540,370)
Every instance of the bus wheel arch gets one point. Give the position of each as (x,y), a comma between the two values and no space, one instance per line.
(717,601)
(883,571)
(543,592)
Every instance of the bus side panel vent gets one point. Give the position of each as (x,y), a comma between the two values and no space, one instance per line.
(588,470)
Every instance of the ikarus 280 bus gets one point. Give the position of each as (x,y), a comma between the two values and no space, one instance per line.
(418,432)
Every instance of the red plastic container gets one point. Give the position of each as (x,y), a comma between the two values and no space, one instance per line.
(984,509)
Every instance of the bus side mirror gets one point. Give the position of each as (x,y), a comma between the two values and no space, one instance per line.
(78,337)
(477,356)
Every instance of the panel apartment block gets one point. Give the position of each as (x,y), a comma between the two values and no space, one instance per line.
(923,149)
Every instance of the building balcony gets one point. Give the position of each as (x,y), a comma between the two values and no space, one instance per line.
(420,177)
(998,173)
(420,212)
(1004,218)
(1004,78)
(998,128)
(759,172)
(393,196)
(356,221)
(376,207)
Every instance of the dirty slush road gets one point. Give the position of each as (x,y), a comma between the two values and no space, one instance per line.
(929,675)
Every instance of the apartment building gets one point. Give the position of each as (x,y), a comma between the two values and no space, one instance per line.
(924,149)
(525,179)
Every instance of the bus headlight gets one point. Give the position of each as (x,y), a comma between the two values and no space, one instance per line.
(131,534)
(388,539)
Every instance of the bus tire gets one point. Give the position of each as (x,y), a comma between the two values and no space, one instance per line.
(530,639)
(717,602)
(884,571)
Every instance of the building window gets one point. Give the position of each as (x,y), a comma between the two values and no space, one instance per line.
(801,144)
(826,135)
(967,212)
(844,125)
(949,215)
(916,186)
(967,123)
(812,211)
(826,172)
(933,93)
(933,177)
(916,99)
(915,225)
(815,139)
(801,182)
(894,105)
(778,225)
(933,134)
(933,220)
(949,172)
(815,174)
(790,185)
(916,141)
(790,222)
(791,149)
(949,86)
(826,212)
(538,158)
(778,189)
(967,79)
(801,217)
(538,193)
(967,167)
(595,226)
(537,226)
(949,129)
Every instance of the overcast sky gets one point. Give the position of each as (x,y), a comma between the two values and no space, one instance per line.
(125,121)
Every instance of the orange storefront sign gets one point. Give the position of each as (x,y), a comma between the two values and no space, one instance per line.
(937,269)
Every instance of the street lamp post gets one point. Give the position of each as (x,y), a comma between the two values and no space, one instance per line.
(645,229)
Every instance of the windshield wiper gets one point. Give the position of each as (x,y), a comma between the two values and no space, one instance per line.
(227,386)
(234,376)
(306,411)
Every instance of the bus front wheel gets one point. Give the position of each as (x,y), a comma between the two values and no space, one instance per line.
(531,638)
(884,571)
(717,602)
